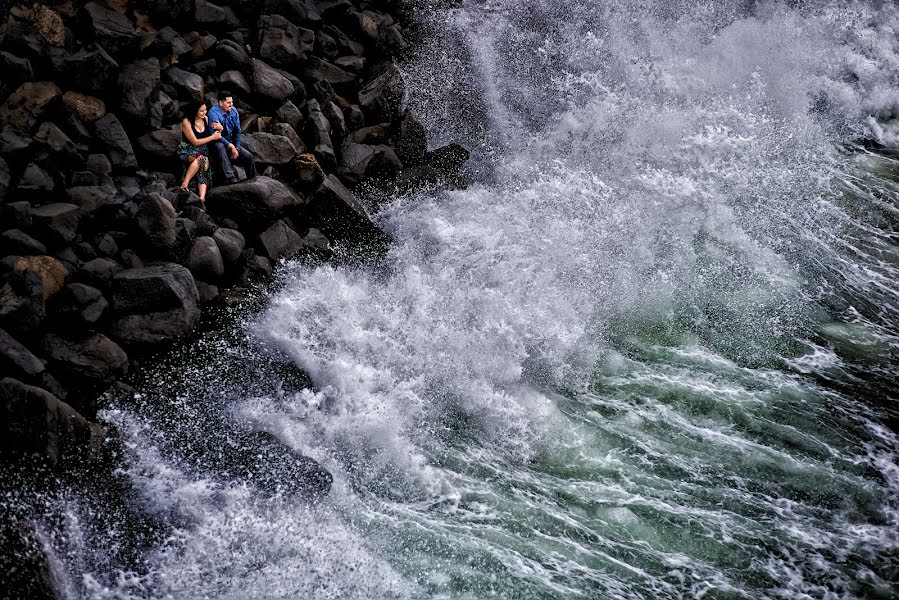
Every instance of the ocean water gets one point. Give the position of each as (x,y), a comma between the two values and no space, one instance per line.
(649,352)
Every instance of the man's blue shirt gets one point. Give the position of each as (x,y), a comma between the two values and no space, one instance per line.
(230,124)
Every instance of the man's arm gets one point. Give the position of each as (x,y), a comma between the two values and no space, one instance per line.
(216,116)
(236,128)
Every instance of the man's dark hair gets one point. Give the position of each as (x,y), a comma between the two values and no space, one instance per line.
(224,95)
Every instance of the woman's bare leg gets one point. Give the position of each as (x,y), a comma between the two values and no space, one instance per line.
(202,189)
(192,170)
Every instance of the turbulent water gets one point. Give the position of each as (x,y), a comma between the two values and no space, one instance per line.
(650,352)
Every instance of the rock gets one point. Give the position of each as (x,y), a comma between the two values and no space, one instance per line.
(205,260)
(28,104)
(160,144)
(447,159)
(210,16)
(98,272)
(301,12)
(235,82)
(335,118)
(155,222)
(95,360)
(17,214)
(56,222)
(107,245)
(79,306)
(411,140)
(190,86)
(326,46)
(338,214)
(269,149)
(318,69)
(280,241)
(382,98)
(317,130)
(17,360)
(162,109)
(92,70)
(5,177)
(130,260)
(269,83)
(35,422)
(22,306)
(83,178)
(281,42)
(309,174)
(254,203)
(230,243)
(164,12)
(418,176)
(21,40)
(207,292)
(92,198)
(154,304)
(345,45)
(110,131)
(200,47)
(273,467)
(35,183)
(87,108)
(98,164)
(14,241)
(350,64)
(15,68)
(360,161)
(14,144)
(230,55)
(288,113)
(137,83)
(49,270)
(110,29)
(62,149)
(283,129)
(372,135)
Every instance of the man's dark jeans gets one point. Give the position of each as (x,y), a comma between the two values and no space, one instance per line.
(221,162)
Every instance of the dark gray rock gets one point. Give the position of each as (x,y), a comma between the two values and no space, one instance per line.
(230,55)
(110,29)
(22,304)
(271,85)
(317,129)
(91,199)
(57,223)
(155,222)
(92,69)
(29,104)
(318,69)
(270,149)
(338,213)
(230,243)
(35,422)
(62,149)
(309,174)
(411,141)
(155,304)
(14,144)
(107,245)
(207,292)
(351,64)
(98,164)
(161,143)
(361,161)
(16,360)
(17,214)
(79,306)
(302,12)
(290,114)
(280,241)
(97,273)
(14,241)
(188,85)
(283,129)
(283,43)
(205,259)
(130,260)
(5,178)
(110,131)
(17,69)
(346,46)
(212,17)
(382,98)
(447,159)
(235,81)
(34,184)
(95,360)
(137,83)
(254,203)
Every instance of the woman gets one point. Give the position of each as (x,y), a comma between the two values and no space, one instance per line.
(196,133)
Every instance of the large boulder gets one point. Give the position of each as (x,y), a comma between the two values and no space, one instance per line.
(34,422)
(28,104)
(189,86)
(317,131)
(309,174)
(302,12)
(290,133)
(17,69)
(230,242)
(155,221)
(205,259)
(87,108)
(269,83)
(17,360)
(361,161)
(95,360)
(97,272)
(280,241)
(111,29)
(56,222)
(212,17)
(283,43)
(16,241)
(270,149)
(254,203)
(93,198)
(411,140)
(79,306)
(382,98)
(14,144)
(339,214)
(230,55)
(61,147)
(154,304)
(289,113)
(137,82)
(92,69)
(110,131)
(321,70)
(161,143)
(51,272)
(235,81)
(34,183)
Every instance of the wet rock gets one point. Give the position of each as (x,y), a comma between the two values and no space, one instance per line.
(87,108)
(382,98)
(35,422)
(110,131)
(155,223)
(230,243)
(189,86)
(274,467)
(373,135)
(269,149)
(317,130)
(283,43)
(447,160)
(27,106)
(205,259)
(335,117)
(346,46)
(350,64)
(254,203)
(92,70)
(56,222)
(98,272)
(338,214)
(411,140)
(79,306)
(94,360)
(155,304)
(271,85)
(360,161)
(416,177)
(14,241)
(212,17)
(137,83)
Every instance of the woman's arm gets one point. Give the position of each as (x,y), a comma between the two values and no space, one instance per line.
(189,134)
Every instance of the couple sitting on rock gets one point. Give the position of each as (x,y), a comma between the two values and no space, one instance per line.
(211,142)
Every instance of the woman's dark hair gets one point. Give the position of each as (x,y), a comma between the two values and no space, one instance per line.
(194,108)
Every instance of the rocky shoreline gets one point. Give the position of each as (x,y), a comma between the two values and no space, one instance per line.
(104,258)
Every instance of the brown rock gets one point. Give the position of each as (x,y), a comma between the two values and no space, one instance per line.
(51,271)
(27,105)
(49,24)
(310,175)
(87,108)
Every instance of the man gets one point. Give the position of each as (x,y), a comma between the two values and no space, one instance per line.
(227,150)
